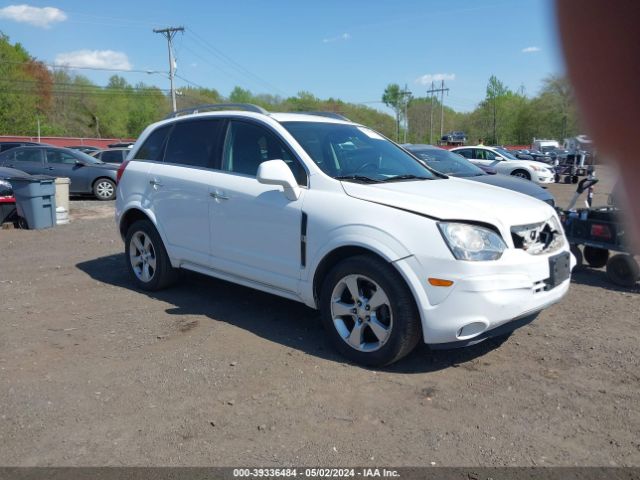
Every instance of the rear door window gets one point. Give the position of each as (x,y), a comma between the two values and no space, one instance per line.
(195,143)
(29,155)
(466,152)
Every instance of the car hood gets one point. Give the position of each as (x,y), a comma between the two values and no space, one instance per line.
(455,199)
(516,184)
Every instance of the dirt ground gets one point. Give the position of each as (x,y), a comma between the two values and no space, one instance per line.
(93,372)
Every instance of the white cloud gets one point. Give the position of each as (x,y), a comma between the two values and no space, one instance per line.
(531,50)
(37,16)
(94,59)
(344,37)
(435,77)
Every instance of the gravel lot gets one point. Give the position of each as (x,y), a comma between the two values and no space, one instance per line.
(93,372)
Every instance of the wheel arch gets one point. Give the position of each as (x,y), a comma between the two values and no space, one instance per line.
(333,257)
(132,215)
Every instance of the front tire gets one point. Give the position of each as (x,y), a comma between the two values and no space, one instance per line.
(596,257)
(147,260)
(575,249)
(104,189)
(369,312)
(521,174)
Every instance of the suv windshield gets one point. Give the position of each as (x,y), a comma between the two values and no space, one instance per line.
(447,162)
(350,152)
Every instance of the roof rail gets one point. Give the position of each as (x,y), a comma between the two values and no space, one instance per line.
(335,115)
(218,106)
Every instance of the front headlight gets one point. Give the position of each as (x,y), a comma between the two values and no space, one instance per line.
(538,169)
(471,242)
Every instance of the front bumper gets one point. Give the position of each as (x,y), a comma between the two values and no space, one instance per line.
(546,179)
(484,296)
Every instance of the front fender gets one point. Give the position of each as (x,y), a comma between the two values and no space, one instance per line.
(365,236)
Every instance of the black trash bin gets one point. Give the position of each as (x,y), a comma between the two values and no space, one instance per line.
(35,200)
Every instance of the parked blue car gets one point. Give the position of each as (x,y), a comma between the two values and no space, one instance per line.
(88,175)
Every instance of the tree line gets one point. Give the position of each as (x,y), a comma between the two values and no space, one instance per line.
(66,104)
(503,117)
(63,103)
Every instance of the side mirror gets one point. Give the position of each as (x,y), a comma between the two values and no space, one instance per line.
(276,172)
(80,163)
(498,158)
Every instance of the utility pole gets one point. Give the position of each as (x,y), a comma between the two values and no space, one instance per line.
(431,113)
(169,33)
(441,90)
(406,96)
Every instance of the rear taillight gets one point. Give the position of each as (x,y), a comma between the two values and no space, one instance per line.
(600,231)
(121,168)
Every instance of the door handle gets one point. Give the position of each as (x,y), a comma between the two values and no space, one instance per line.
(155,183)
(219,195)
(50,168)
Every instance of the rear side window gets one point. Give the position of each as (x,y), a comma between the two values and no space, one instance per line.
(466,153)
(112,156)
(195,143)
(153,146)
(28,155)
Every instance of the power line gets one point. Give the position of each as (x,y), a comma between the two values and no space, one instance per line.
(232,63)
(190,82)
(216,68)
(78,67)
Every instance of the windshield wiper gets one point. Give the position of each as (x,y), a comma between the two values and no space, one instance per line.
(405,177)
(359,178)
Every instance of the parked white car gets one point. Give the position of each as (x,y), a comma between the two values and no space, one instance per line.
(332,214)
(507,164)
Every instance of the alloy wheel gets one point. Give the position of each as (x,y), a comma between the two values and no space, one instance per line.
(142,256)
(361,313)
(105,189)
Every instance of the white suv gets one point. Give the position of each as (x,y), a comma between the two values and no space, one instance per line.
(332,214)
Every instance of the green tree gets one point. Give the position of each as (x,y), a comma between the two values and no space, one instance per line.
(496,91)
(25,89)
(393,98)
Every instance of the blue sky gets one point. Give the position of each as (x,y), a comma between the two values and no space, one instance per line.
(347,49)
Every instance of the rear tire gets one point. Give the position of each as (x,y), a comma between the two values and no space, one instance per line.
(596,257)
(104,189)
(623,270)
(369,312)
(147,260)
